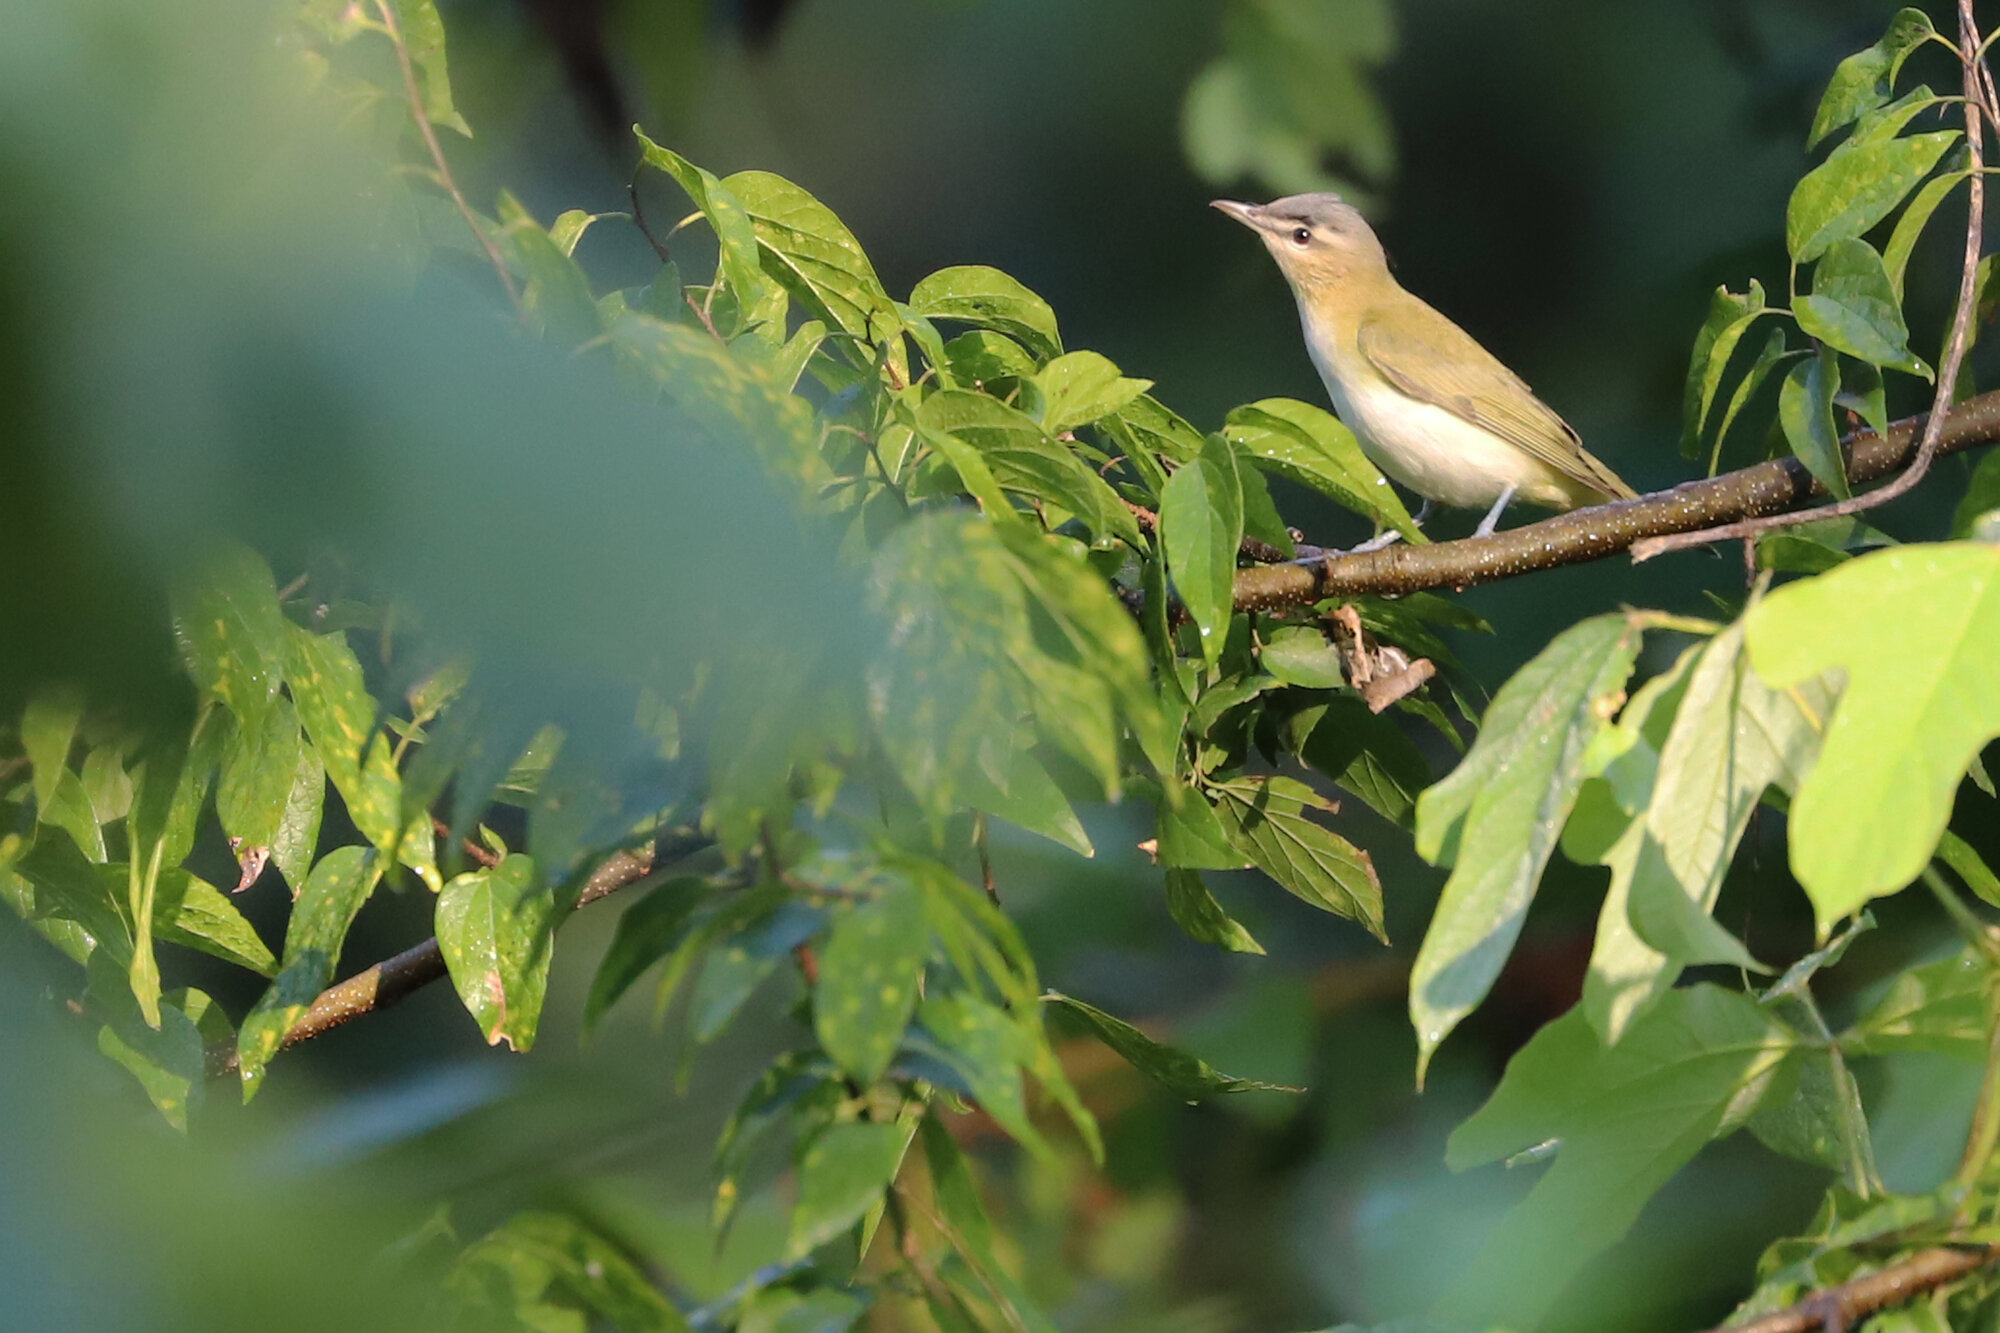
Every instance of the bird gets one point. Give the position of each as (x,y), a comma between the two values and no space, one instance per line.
(1431,407)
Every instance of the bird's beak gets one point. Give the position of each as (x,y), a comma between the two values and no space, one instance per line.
(1250,215)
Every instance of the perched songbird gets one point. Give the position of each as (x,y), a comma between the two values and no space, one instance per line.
(1431,407)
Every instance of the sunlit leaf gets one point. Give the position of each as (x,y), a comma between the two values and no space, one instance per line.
(231,633)
(1201,525)
(1854,308)
(497,927)
(870,973)
(1805,410)
(1308,445)
(1855,188)
(1729,317)
(1942,1007)
(1866,80)
(325,908)
(975,294)
(1080,387)
(1267,818)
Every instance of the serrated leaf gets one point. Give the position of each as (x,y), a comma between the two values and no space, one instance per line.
(1856,187)
(1201,526)
(1627,1118)
(1310,446)
(975,294)
(325,908)
(1183,1075)
(870,975)
(1869,814)
(1266,818)
(496,927)
(842,1173)
(1497,817)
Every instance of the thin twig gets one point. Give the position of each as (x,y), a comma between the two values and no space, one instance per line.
(415,95)
(1954,352)
(1844,1306)
(1583,535)
(639,215)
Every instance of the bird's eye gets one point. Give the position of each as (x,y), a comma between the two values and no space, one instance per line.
(1302,237)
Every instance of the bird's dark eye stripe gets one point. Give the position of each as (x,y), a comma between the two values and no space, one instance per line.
(1301,235)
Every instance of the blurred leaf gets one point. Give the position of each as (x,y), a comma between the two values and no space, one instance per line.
(1310,446)
(1854,308)
(870,975)
(1866,80)
(1266,818)
(1982,495)
(1969,866)
(231,632)
(496,928)
(170,1062)
(298,831)
(107,785)
(816,258)
(554,292)
(1080,387)
(423,39)
(1195,910)
(975,294)
(68,808)
(784,1310)
(1497,817)
(1811,548)
(1201,525)
(982,1044)
(1940,1007)
(325,908)
(1181,1074)
(1627,1117)
(735,233)
(1867,817)
(1805,409)
(1729,318)
(800,1090)
(953,1186)
(987,361)
(48,725)
(842,1173)
(647,931)
(1856,187)
(543,1270)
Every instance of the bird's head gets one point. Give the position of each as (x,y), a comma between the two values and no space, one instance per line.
(1320,241)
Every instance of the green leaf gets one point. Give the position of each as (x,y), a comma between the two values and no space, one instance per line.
(1497,817)
(1081,387)
(259,771)
(1192,837)
(423,40)
(48,726)
(1266,819)
(1261,518)
(1753,379)
(1910,226)
(735,233)
(1303,655)
(983,1045)
(546,1272)
(1023,457)
(1805,410)
(1366,753)
(325,908)
(1195,910)
(1939,1007)
(808,250)
(554,292)
(1731,738)
(1310,446)
(974,294)
(1855,188)
(496,927)
(1627,1118)
(988,361)
(1729,318)
(298,831)
(1866,80)
(842,1174)
(1030,800)
(1854,308)
(191,912)
(1982,496)
(1201,525)
(1186,1077)
(870,974)
(332,699)
(647,931)
(69,809)
(230,630)
(1969,866)
(170,1062)
(1869,814)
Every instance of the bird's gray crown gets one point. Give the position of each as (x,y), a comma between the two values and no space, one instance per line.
(1327,211)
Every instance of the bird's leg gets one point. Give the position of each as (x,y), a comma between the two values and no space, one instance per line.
(1377,542)
(1423,514)
(1492,519)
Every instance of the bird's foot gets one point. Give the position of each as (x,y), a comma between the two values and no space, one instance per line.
(1422,516)
(1492,519)
(1377,542)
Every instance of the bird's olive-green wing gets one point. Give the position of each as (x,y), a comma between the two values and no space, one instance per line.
(1434,361)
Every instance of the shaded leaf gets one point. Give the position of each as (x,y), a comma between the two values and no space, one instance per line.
(647,931)
(1866,80)
(1266,818)
(1856,187)
(1195,910)
(1729,317)
(1181,1074)
(1854,309)
(842,1174)
(1805,410)
(231,633)
(326,905)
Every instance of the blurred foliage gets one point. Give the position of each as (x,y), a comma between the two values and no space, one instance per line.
(371,535)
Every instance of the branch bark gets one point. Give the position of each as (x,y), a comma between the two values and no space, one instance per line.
(1601,530)
(1844,1306)
(394,979)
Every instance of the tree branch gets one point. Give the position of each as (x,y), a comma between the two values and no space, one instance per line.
(1844,1306)
(1601,530)
(396,978)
